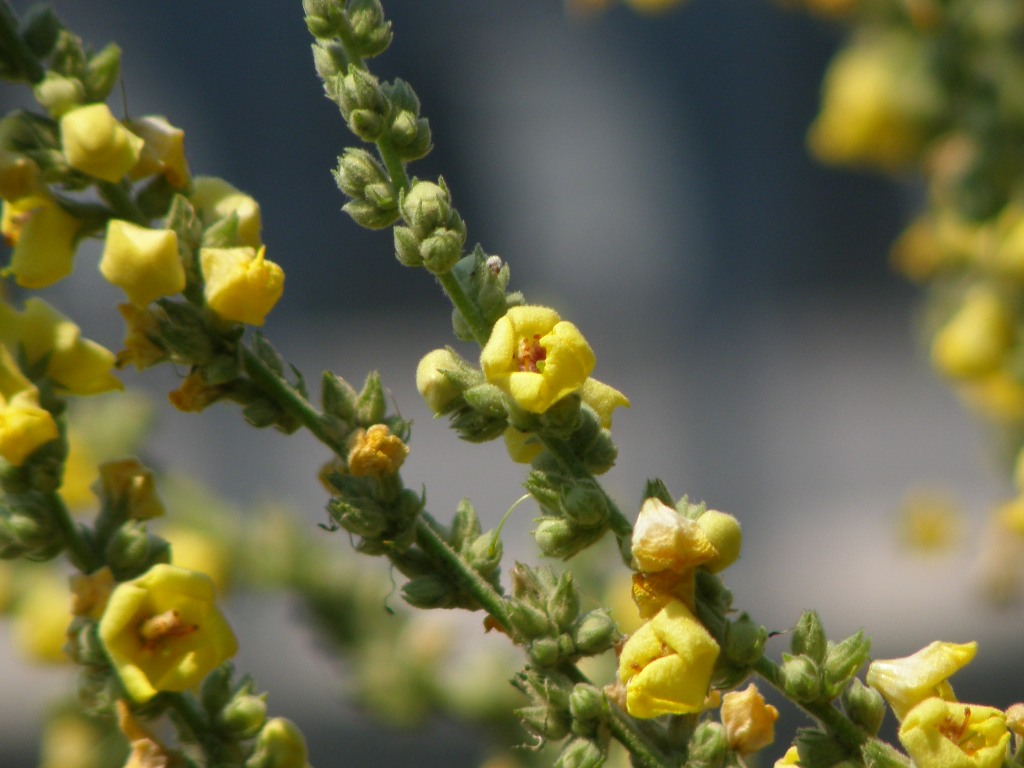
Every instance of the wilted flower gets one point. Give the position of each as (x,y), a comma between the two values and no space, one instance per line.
(376,452)
(749,721)
(163,150)
(665,540)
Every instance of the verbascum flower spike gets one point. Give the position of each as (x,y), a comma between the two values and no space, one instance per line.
(143,262)
(24,425)
(536,357)
(949,734)
(43,235)
(97,144)
(908,681)
(215,199)
(163,150)
(240,284)
(667,664)
(665,540)
(163,631)
(78,366)
(749,720)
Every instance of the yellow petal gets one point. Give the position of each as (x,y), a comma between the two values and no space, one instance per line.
(142,261)
(97,144)
(240,284)
(907,681)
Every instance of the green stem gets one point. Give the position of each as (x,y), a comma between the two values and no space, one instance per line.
(394,164)
(81,554)
(15,48)
(625,729)
(188,711)
(834,721)
(468,308)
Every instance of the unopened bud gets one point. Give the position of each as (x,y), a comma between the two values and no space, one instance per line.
(40,29)
(723,531)
(596,632)
(843,660)
(801,678)
(809,637)
(407,248)
(371,34)
(587,703)
(529,621)
(545,652)
(102,72)
(435,383)
(545,721)
(131,550)
(279,745)
(560,538)
(744,640)
(244,715)
(586,505)
(428,591)
(426,207)
(442,250)
(580,753)
(709,745)
(564,602)
(864,706)
(57,94)
(485,553)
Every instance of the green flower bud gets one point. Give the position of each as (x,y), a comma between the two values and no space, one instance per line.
(477,427)
(560,538)
(357,169)
(407,248)
(216,690)
(57,94)
(545,652)
(744,640)
(563,604)
(244,715)
(426,207)
(709,745)
(526,583)
(279,745)
(820,750)
(801,678)
(371,34)
(586,505)
(580,753)
(84,645)
(544,721)
(101,73)
(529,621)
(28,532)
(337,397)
(484,553)
(330,62)
(809,637)
(596,632)
(366,520)
(429,591)
(441,250)
(587,703)
(360,90)
(371,406)
(842,661)
(132,551)
(40,29)
(324,19)
(723,531)
(864,706)
(366,124)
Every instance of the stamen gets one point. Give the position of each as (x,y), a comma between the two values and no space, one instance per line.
(531,355)
(163,626)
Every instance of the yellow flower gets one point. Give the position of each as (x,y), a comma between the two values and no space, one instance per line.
(43,235)
(97,144)
(974,341)
(77,365)
(142,261)
(930,520)
(665,540)
(72,740)
(24,425)
(749,721)
(240,284)
(41,618)
(536,357)
(948,734)
(200,551)
(792,757)
(280,744)
(603,399)
(875,105)
(667,664)
(653,591)
(522,447)
(163,150)
(215,199)
(163,631)
(908,681)
(375,452)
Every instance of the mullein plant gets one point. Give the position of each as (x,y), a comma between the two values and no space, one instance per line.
(144,624)
(933,90)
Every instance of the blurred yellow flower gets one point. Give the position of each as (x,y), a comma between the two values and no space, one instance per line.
(929,521)
(948,734)
(200,551)
(41,617)
(280,744)
(748,719)
(792,757)
(908,681)
(163,150)
(536,357)
(215,199)
(70,740)
(163,631)
(142,261)
(240,284)
(523,447)
(24,425)
(667,664)
(130,487)
(97,144)
(43,236)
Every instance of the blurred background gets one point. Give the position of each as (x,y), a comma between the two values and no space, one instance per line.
(648,178)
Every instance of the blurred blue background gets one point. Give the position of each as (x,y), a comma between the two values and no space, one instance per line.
(648,178)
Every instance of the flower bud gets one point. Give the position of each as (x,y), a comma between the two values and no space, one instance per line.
(441,250)
(484,554)
(587,703)
(545,652)
(744,640)
(595,632)
(428,591)
(57,93)
(528,620)
(95,143)
(749,721)
(426,207)
(131,550)
(801,678)
(214,199)
(973,341)
(586,505)
(216,690)
(102,71)
(580,753)
(809,637)
(128,487)
(723,531)
(560,538)
(435,386)
(40,29)
(407,248)
(244,715)
(709,745)
(366,521)
(163,151)
(563,604)
(371,33)
(279,745)
(864,706)
(843,660)
(546,721)
(143,262)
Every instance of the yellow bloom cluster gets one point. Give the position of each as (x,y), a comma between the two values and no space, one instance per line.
(666,665)
(936,730)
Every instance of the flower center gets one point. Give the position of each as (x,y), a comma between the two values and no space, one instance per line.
(531,355)
(959,733)
(164,626)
